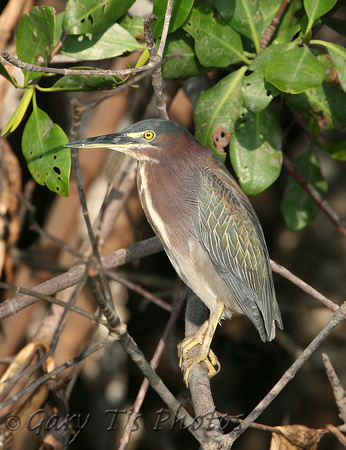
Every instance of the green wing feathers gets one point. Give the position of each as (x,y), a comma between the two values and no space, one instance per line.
(230,232)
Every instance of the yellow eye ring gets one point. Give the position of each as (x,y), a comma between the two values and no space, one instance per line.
(148,135)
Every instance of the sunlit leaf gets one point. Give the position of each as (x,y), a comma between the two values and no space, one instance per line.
(35,38)
(113,42)
(216,43)
(93,16)
(295,71)
(181,9)
(49,162)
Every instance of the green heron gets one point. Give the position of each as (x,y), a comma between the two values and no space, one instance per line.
(207,227)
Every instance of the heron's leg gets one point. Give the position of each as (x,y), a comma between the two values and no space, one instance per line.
(202,337)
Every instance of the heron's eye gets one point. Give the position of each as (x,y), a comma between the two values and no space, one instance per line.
(149,135)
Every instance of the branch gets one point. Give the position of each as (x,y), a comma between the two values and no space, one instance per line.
(34,68)
(165,29)
(315,195)
(338,390)
(269,32)
(303,285)
(155,58)
(74,275)
(125,439)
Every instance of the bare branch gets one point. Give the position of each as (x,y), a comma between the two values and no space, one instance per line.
(165,29)
(34,68)
(268,34)
(74,275)
(125,439)
(156,77)
(338,390)
(303,285)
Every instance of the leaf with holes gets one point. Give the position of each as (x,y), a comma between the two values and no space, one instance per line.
(257,92)
(338,55)
(217,109)
(49,162)
(244,16)
(295,71)
(326,103)
(35,38)
(255,151)
(187,64)
(110,43)
(93,16)
(297,206)
(216,43)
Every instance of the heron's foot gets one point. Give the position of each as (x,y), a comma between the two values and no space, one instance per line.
(188,361)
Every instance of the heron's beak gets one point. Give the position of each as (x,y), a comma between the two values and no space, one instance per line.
(113,141)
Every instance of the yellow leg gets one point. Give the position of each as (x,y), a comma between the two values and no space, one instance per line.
(202,337)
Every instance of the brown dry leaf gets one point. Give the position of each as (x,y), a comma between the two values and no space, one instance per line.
(296,437)
(16,415)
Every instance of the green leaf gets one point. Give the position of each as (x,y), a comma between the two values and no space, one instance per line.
(268,9)
(295,71)
(297,206)
(186,64)
(5,74)
(336,151)
(181,9)
(93,16)
(317,8)
(49,162)
(113,42)
(290,21)
(18,115)
(85,83)
(255,151)
(217,110)
(35,38)
(326,103)
(338,55)
(257,92)
(244,16)
(134,25)
(216,44)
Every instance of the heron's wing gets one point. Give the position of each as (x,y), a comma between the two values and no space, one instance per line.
(229,230)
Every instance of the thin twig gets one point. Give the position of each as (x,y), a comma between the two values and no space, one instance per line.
(315,195)
(125,439)
(75,274)
(165,29)
(303,285)
(269,32)
(156,78)
(52,300)
(34,68)
(338,317)
(338,390)
(139,289)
